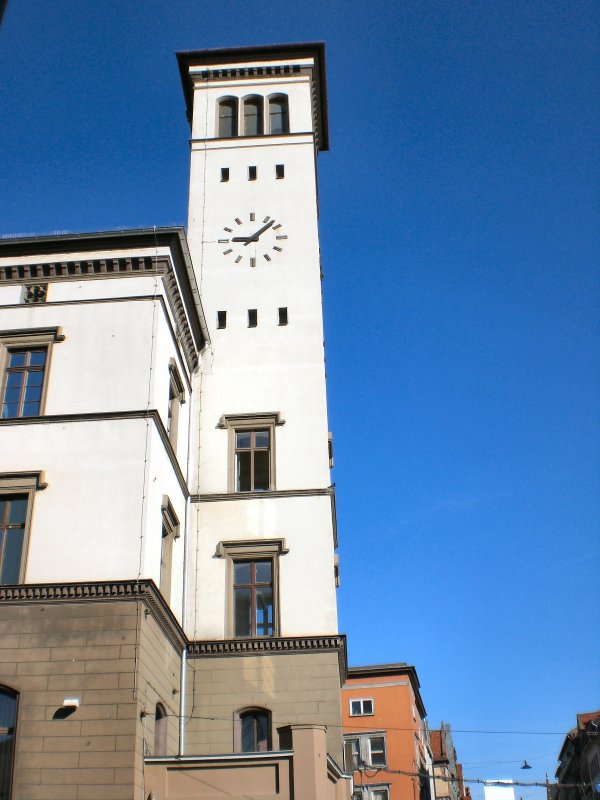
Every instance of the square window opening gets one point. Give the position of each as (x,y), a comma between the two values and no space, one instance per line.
(282,314)
(252,317)
(224,174)
(221,319)
(279,171)
(251,173)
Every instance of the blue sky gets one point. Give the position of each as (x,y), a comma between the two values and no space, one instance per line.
(459,233)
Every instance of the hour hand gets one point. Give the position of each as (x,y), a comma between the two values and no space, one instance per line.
(244,239)
(255,236)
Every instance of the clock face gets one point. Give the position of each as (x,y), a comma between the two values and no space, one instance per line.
(250,240)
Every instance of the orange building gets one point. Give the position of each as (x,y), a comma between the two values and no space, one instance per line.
(386,738)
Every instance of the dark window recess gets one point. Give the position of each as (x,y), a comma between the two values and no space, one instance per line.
(13,514)
(278,114)
(8,723)
(279,171)
(283,315)
(255,731)
(252,461)
(221,319)
(252,318)
(224,174)
(23,381)
(228,110)
(253,116)
(251,173)
(253,598)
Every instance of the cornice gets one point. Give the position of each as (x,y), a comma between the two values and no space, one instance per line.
(95,268)
(219,648)
(144,591)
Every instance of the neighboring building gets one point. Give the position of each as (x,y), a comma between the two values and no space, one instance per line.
(164,475)
(578,773)
(448,773)
(386,738)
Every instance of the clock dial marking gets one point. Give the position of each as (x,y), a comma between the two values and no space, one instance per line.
(239,221)
(223,241)
(229,230)
(267,256)
(276,227)
(279,249)
(252,216)
(252,261)
(281,237)
(238,259)
(266,219)
(226,252)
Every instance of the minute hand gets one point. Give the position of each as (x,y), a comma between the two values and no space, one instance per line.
(254,237)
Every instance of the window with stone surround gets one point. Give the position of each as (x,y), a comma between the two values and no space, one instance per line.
(252,730)
(253,586)
(169,532)
(16,500)
(24,360)
(251,451)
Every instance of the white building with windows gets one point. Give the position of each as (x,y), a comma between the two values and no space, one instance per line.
(167,520)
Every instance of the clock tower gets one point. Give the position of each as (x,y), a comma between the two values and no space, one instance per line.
(262,574)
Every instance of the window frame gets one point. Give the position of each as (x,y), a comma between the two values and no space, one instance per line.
(170,531)
(251,550)
(23,483)
(273,98)
(161,730)
(259,101)
(176,400)
(234,103)
(238,719)
(365,750)
(362,712)
(27,339)
(8,691)
(235,423)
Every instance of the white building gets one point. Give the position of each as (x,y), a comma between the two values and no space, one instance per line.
(167,523)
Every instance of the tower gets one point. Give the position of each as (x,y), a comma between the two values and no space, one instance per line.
(263,576)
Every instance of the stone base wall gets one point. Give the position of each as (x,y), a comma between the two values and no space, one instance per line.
(296,688)
(114,657)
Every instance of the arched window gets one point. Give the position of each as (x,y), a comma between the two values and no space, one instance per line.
(253,116)
(253,731)
(8,721)
(228,117)
(160,730)
(278,114)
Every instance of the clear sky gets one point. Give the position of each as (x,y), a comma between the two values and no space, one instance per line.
(460,243)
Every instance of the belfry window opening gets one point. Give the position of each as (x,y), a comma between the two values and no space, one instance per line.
(252,116)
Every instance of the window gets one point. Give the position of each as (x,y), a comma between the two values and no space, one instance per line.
(251,173)
(278,114)
(252,317)
(13,518)
(23,381)
(282,315)
(253,116)
(176,399)
(16,500)
(160,730)
(228,114)
(224,174)
(169,532)
(252,568)
(221,319)
(24,357)
(251,439)
(371,792)
(8,722)
(252,731)
(252,461)
(361,708)
(253,598)
(365,751)
(279,171)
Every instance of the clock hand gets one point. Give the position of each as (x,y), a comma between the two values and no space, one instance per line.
(245,239)
(254,237)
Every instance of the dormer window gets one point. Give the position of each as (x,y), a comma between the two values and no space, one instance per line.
(278,114)
(253,116)
(228,117)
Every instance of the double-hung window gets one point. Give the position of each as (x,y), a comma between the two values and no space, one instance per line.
(16,500)
(253,607)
